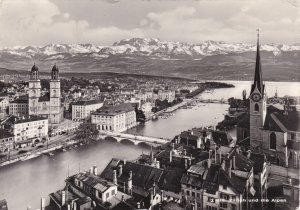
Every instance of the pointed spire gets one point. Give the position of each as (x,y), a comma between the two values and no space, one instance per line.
(258,82)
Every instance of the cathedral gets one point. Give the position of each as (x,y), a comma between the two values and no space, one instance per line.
(48,105)
(271,130)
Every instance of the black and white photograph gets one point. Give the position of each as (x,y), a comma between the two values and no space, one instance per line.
(149,104)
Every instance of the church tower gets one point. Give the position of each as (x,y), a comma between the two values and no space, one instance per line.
(55,103)
(34,90)
(258,104)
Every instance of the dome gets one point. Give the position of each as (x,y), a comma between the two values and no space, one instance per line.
(55,68)
(34,68)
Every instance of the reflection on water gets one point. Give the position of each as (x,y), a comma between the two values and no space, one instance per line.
(24,183)
(183,119)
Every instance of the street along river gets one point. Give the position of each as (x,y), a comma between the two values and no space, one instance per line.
(23,184)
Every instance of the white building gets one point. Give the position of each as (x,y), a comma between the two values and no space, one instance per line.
(81,110)
(117,118)
(3,103)
(168,95)
(29,130)
(147,108)
(19,107)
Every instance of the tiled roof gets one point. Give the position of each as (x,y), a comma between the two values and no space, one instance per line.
(217,176)
(259,160)
(5,134)
(21,100)
(221,138)
(142,175)
(87,102)
(94,181)
(114,110)
(191,180)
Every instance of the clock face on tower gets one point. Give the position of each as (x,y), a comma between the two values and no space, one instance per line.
(256,97)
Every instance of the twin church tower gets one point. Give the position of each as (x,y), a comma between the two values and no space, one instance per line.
(49,104)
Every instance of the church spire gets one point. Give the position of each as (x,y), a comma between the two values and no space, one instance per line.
(258,82)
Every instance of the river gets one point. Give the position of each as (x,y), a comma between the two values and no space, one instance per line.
(23,184)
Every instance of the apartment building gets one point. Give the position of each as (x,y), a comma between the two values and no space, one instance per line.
(81,110)
(116,118)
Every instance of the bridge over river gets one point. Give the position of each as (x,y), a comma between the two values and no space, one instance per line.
(136,139)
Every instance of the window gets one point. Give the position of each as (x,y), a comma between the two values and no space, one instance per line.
(223,205)
(273,141)
(107,195)
(210,199)
(292,136)
(224,187)
(256,107)
(233,207)
(113,192)
(188,193)
(193,194)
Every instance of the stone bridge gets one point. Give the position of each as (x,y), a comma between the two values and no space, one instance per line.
(136,139)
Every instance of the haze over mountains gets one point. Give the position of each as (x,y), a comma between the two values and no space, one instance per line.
(207,60)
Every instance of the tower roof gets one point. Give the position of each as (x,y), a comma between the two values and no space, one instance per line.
(34,68)
(55,68)
(258,81)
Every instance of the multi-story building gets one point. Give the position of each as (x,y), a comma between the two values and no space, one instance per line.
(168,95)
(270,130)
(81,110)
(48,105)
(6,140)
(116,118)
(3,103)
(19,107)
(28,130)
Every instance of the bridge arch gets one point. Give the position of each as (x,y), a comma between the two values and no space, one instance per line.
(127,141)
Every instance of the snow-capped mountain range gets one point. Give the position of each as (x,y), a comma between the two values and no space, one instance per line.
(144,47)
(207,60)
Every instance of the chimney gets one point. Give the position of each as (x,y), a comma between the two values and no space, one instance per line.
(115,181)
(138,205)
(91,170)
(154,189)
(173,146)
(190,161)
(124,161)
(209,158)
(157,164)
(42,203)
(95,170)
(215,146)
(248,154)
(129,183)
(74,206)
(184,151)
(171,154)
(233,160)
(162,195)
(63,198)
(120,170)
(69,207)
(223,165)
(185,163)
(237,150)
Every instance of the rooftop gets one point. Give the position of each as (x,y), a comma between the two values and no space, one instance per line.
(5,134)
(87,102)
(114,110)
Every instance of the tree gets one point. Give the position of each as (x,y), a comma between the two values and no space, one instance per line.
(140,116)
(86,131)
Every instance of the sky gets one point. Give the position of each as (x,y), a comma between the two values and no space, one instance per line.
(103,22)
